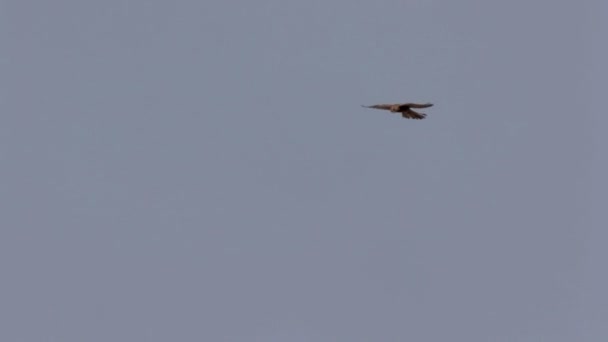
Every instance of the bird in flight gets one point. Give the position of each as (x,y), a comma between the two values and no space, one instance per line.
(404,108)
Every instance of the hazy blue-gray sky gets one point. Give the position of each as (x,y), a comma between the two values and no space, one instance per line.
(203,171)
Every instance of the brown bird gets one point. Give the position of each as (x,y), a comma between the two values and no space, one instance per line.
(404,108)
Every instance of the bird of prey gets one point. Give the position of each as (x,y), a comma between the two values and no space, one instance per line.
(404,108)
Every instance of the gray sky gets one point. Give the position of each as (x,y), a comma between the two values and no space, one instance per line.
(203,171)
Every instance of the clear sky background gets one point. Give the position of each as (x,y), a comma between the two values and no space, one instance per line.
(203,171)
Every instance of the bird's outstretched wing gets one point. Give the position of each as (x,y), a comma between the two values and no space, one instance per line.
(410,114)
(379,106)
(417,105)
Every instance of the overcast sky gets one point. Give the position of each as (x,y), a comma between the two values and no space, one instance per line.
(203,171)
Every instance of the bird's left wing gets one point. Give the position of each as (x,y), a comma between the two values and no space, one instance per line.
(417,105)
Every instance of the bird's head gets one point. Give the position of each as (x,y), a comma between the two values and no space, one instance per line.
(394,108)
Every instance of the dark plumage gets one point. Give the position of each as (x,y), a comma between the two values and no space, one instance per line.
(404,108)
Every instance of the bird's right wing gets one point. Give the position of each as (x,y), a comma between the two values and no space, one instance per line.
(380,106)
